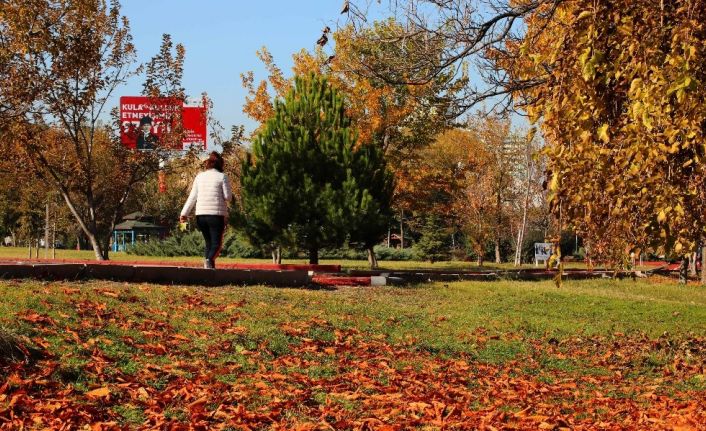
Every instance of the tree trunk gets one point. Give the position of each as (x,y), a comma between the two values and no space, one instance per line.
(46,232)
(402,230)
(372,259)
(683,270)
(100,253)
(29,243)
(313,255)
(557,244)
(525,208)
(692,264)
(95,244)
(498,220)
(106,248)
(277,255)
(703,265)
(518,247)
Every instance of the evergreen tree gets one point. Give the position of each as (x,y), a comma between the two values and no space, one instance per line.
(374,213)
(432,245)
(305,180)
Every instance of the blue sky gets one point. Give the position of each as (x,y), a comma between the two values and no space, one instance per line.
(221,37)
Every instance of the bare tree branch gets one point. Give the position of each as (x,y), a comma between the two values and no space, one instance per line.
(468,31)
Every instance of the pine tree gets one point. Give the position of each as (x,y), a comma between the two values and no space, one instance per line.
(374,213)
(432,245)
(305,180)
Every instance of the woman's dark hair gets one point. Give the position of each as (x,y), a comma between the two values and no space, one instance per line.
(215,161)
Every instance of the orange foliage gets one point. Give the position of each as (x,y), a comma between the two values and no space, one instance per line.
(377,108)
(203,372)
(401,119)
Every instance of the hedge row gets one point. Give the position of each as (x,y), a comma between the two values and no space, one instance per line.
(192,244)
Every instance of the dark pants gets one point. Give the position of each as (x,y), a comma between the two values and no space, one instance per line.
(212,227)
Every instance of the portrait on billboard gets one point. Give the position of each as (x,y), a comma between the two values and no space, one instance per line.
(146,139)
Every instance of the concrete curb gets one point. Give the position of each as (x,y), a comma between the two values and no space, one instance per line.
(155,274)
(273,275)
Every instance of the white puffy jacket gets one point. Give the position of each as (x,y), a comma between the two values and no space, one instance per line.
(210,193)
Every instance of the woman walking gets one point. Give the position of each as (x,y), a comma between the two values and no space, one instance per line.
(210,194)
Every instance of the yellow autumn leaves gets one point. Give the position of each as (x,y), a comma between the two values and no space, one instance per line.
(621,107)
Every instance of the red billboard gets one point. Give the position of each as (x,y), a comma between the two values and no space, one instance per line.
(146,121)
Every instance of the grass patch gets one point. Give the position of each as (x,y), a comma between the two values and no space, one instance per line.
(321,372)
(500,351)
(129,367)
(72,370)
(21,253)
(129,414)
(354,351)
(694,383)
(176,414)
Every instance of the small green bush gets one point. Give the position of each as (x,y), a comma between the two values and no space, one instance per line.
(432,245)
(192,244)
(389,253)
(236,246)
(178,244)
(345,252)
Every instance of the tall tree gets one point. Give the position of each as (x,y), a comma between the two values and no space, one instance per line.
(502,146)
(475,169)
(305,178)
(473,202)
(79,53)
(400,120)
(370,219)
(620,102)
(82,51)
(530,195)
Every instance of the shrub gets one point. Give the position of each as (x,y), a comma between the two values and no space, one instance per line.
(178,244)
(192,244)
(432,245)
(389,253)
(343,253)
(235,245)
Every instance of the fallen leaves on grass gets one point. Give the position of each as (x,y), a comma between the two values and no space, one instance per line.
(189,363)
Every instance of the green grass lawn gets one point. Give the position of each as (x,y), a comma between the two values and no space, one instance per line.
(525,355)
(22,253)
